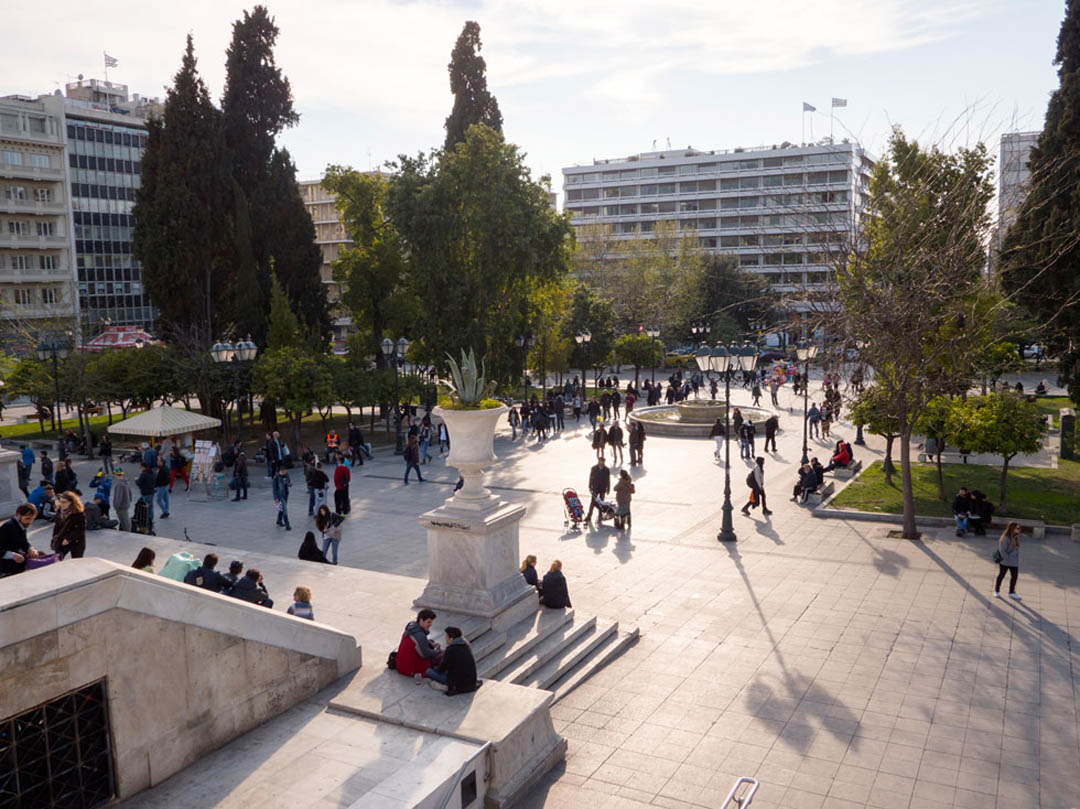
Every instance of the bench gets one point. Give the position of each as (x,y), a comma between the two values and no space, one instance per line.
(1036,529)
(817,497)
(849,471)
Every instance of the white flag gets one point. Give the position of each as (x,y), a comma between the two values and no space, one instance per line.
(110,61)
(839,102)
(808,107)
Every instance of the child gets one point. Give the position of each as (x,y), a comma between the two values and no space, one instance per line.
(302,606)
(826,422)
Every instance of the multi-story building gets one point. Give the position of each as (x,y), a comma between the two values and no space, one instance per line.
(1014,177)
(36,265)
(784,211)
(332,239)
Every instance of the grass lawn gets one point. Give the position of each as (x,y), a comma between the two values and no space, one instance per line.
(1051,495)
(1051,405)
(31,431)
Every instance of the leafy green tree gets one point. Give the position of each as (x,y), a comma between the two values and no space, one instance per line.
(34,380)
(479,233)
(731,299)
(913,289)
(283,326)
(181,205)
(639,350)
(935,422)
(295,380)
(1004,424)
(872,409)
(547,309)
(473,104)
(372,273)
(593,313)
(1041,256)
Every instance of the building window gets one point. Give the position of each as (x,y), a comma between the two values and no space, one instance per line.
(22,296)
(688,188)
(43,195)
(748,261)
(46,229)
(59,754)
(12,158)
(47,262)
(666,188)
(9,122)
(48,295)
(749,182)
(18,228)
(14,193)
(40,161)
(37,125)
(20,262)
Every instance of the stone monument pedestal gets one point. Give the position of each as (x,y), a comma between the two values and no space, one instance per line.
(473,561)
(10,496)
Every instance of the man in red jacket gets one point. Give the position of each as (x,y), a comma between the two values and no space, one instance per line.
(342,476)
(416,654)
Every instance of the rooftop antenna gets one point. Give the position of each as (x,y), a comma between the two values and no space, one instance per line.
(669,143)
(654,144)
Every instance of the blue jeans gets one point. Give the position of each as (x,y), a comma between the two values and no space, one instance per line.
(424,456)
(409,467)
(744,448)
(163,499)
(814,424)
(310,502)
(961,522)
(149,500)
(431,674)
(283,515)
(327,544)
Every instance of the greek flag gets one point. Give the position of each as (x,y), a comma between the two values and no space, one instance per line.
(110,61)
(808,107)
(839,102)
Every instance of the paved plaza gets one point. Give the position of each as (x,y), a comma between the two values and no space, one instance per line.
(840,667)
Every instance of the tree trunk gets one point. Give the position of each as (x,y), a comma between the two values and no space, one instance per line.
(636,376)
(108,410)
(940,474)
(1003,505)
(909,494)
(887,465)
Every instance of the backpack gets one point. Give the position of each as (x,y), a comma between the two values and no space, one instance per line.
(750,480)
(391,661)
(46,467)
(228,457)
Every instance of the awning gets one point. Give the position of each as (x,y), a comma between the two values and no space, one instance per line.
(164,420)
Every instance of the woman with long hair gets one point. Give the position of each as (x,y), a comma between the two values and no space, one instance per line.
(145,560)
(528,570)
(309,551)
(329,525)
(69,529)
(555,593)
(1009,561)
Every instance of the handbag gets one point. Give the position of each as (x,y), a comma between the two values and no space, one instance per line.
(32,563)
(997,557)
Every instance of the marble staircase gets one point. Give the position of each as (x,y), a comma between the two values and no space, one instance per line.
(554,650)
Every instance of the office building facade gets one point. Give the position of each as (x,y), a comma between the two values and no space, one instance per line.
(332,239)
(37,297)
(784,212)
(1014,177)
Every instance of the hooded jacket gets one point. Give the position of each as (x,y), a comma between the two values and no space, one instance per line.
(415,652)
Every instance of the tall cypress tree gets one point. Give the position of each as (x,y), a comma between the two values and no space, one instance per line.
(473,104)
(181,207)
(1041,257)
(256,107)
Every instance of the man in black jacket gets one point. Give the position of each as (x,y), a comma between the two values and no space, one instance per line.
(457,671)
(599,484)
(771,425)
(961,505)
(250,588)
(15,549)
(145,484)
(207,577)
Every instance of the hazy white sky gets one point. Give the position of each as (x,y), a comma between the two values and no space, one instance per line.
(578,80)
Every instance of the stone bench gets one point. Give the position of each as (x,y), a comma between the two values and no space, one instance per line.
(849,471)
(817,497)
(1036,529)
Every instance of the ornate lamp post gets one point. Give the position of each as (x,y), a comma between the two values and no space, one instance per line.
(525,342)
(861,344)
(237,356)
(582,338)
(58,350)
(805,351)
(717,363)
(653,332)
(396,359)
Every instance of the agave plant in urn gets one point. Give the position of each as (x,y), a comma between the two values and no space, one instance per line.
(471,416)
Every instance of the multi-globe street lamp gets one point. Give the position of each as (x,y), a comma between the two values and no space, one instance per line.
(583,338)
(237,356)
(653,332)
(719,362)
(396,359)
(804,352)
(58,350)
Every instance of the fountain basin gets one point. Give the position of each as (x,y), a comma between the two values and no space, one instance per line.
(688,419)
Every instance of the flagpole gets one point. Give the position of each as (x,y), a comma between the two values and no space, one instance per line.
(103,55)
(832,113)
(803,141)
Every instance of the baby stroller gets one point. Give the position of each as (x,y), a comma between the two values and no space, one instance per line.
(605,509)
(573,512)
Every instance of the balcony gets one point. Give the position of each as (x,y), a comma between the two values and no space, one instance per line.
(33,242)
(30,274)
(10,172)
(29,207)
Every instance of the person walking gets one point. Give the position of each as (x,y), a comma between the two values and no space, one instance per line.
(105,453)
(444,437)
(178,468)
(145,484)
(66,479)
(1008,556)
(161,487)
(577,407)
(342,476)
(756,393)
(592,409)
(240,476)
(69,529)
(599,483)
(318,481)
(813,419)
(46,466)
(717,434)
(280,486)
(623,491)
(615,441)
(329,525)
(121,499)
(774,386)
(412,459)
(755,480)
(772,423)
(425,439)
(598,440)
(637,441)
(514,420)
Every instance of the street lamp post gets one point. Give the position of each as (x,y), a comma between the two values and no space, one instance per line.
(58,350)
(396,359)
(582,338)
(653,332)
(525,342)
(804,352)
(858,427)
(237,356)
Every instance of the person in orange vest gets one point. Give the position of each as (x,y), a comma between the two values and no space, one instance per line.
(331,446)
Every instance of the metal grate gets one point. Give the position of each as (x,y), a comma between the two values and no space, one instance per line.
(58,755)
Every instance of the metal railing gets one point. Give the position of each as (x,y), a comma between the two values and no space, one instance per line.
(742,801)
(461,773)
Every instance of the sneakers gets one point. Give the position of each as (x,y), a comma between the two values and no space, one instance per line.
(1015,597)
(997,594)
(437,686)
(745,512)
(767,513)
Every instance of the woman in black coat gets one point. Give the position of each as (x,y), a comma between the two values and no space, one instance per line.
(309,551)
(528,571)
(555,594)
(69,528)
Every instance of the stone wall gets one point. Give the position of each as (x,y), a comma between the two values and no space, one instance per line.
(180,682)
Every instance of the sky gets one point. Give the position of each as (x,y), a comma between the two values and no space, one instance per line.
(583,80)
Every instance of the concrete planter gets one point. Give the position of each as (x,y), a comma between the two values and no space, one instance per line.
(472,446)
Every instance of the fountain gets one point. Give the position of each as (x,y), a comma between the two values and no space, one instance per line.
(693,418)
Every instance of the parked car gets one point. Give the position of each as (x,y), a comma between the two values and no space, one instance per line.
(772,355)
(1035,353)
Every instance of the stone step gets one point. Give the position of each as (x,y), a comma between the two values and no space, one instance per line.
(548,649)
(471,626)
(485,644)
(555,669)
(520,639)
(615,644)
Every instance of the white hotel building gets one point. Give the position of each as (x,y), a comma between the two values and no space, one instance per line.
(779,210)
